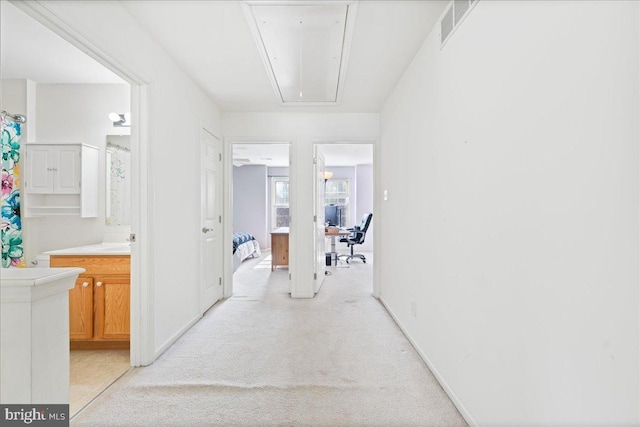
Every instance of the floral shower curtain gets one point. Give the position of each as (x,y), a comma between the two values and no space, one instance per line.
(12,249)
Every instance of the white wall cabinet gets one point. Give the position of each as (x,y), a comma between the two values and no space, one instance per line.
(53,169)
(61,179)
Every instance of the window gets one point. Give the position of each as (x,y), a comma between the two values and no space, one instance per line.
(337,193)
(279,202)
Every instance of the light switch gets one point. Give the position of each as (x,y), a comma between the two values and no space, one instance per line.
(385,195)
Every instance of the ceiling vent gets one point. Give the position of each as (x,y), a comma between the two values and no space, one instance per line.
(304,46)
(456,12)
(446,25)
(460,7)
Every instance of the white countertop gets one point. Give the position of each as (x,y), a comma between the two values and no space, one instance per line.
(18,285)
(99,249)
(35,276)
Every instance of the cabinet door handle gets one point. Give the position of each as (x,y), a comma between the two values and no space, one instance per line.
(85,284)
(99,284)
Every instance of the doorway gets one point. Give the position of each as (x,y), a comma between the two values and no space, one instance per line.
(261,209)
(345,196)
(57,99)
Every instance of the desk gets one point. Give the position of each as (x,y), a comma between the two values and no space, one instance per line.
(333,233)
(279,247)
(280,244)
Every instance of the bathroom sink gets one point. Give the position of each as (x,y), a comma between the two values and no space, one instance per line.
(99,249)
(123,249)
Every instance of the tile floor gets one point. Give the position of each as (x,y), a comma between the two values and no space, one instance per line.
(92,371)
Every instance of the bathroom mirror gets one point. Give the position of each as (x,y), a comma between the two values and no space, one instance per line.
(118,179)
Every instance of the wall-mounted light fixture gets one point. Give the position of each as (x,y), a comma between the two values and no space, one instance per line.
(120,120)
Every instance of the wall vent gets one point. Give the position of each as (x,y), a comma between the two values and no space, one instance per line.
(454,15)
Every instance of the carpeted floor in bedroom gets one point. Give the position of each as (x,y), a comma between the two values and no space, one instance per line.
(261,358)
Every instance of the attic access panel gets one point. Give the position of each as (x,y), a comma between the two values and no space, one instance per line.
(304,47)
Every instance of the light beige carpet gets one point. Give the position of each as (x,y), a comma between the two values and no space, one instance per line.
(261,358)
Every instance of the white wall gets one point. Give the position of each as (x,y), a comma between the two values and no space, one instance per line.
(250,202)
(364,202)
(515,148)
(18,96)
(174,163)
(303,131)
(68,113)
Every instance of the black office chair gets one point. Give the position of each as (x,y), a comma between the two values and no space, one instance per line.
(356,237)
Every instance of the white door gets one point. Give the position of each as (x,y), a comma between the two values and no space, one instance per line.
(211,231)
(319,236)
(40,169)
(67,170)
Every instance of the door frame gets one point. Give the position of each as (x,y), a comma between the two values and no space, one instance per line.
(206,128)
(376,199)
(142,315)
(227,215)
(320,268)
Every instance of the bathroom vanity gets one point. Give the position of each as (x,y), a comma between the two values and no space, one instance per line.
(99,303)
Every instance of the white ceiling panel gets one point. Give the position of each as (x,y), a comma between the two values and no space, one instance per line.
(303,48)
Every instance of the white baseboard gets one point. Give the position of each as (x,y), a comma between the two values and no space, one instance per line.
(175,336)
(454,398)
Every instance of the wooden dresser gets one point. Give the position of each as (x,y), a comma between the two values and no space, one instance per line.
(279,247)
(99,304)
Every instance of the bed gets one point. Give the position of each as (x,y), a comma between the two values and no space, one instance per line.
(244,246)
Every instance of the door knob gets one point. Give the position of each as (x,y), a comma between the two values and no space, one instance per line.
(206,230)
(85,284)
(99,284)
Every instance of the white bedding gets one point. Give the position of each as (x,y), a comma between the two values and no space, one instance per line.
(244,251)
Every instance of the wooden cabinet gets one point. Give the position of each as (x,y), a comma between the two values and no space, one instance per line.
(279,247)
(112,307)
(81,309)
(99,304)
(61,179)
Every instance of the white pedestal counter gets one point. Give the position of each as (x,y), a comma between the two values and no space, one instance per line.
(34,334)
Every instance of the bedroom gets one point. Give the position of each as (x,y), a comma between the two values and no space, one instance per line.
(261,204)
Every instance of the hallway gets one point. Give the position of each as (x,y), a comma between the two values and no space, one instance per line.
(262,358)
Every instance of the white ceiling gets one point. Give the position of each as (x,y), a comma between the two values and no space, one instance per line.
(261,154)
(31,51)
(347,154)
(278,154)
(212,41)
